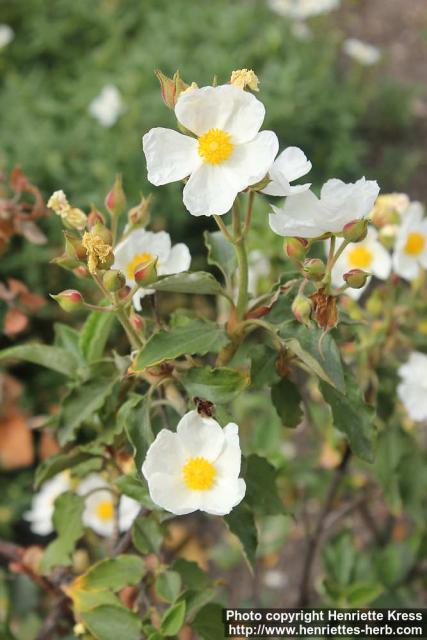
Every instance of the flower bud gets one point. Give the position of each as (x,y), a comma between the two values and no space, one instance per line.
(113,280)
(140,215)
(137,322)
(356,278)
(313,269)
(81,271)
(74,247)
(301,308)
(170,87)
(69,300)
(296,248)
(94,217)
(146,273)
(102,232)
(387,235)
(66,262)
(116,199)
(356,230)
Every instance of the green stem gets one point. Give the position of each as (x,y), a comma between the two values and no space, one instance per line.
(222,227)
(242,260)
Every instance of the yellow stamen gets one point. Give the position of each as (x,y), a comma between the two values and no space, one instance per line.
(105,510)
(244,78)
(360,257)
(415,243)
(199,474)
(215,146)
(137,260)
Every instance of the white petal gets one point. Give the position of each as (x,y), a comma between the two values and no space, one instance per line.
(226,494)
(414,398)
(225,107)
(302,215)
(170,493)
(209,191)
(170,155)
(200,436)
(250,162)
(179,260)
(415,369)
(346,202)
(128,510)
(229,460)
(166,455)
(405,266)
(381,263)
(292,163)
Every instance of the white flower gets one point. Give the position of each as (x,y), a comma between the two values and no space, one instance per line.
(228,154)
(142,246)
(100,506)
(107,106)
(290,165)
(42,506)
(412,391)
(195,468)
(301,9)
(410,251)
(362,52)
(307,216)
(258,267)
(368,255)
(6,35)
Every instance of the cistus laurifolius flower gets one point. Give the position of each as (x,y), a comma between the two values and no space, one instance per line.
(196,468)
(227,154)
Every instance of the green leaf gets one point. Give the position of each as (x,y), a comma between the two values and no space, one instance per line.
(54,358)
(199,282)
(216,385)
(326,364)
(80,405)
(192,576)
(261,489)
(110,623)
(241,522)
(147,535)
(68,338)
(208,623)
(362,594)
(113,573)
(135,417)
(95,333)
(196,337)
(173,619)
(195,600)
(221,252)
(57,463)
(353,417)
(132,487)
(67,520)
(168,585)
(263,366)
(287,402)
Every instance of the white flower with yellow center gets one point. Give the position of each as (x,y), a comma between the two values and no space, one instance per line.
(140,247)
(302,9)
(410,251)
(307,216)
(290,165)
(196,468)
(42,506)
(363,52)
(226,155)
(100,506)
(107,106)
(412,391)
(368,255)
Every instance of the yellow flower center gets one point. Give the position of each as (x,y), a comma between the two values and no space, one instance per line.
(360,257)
(199,474)
(105,510)
(139,259)
(415,243)
(215,146)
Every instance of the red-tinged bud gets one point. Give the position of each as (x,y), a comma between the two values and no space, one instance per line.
(313,269)
(66,262)
(113,280)
(137,322)
(296,248)
(356,278)
(69,300)
(140,215)
(356,230)
(170,87)
(81,272)
(146,273)
(102,232)
(116,199)
(301,308)
(74,247)
(94,217)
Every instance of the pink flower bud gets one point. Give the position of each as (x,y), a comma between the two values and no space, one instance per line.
(137,322)
(356,278)
(113,280)
(116,199)
(313,269)
(69,300)
(301,308)
(94,217)
(356,230)
(170,87)
(146,273)
(296,248)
